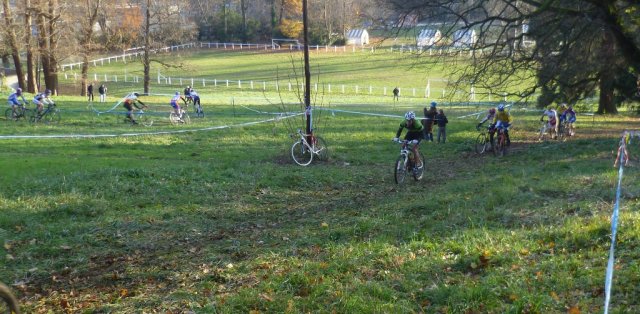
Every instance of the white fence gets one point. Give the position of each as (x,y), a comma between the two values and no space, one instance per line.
(427,91)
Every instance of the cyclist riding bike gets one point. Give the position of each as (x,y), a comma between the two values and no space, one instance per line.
(491,114)
(187,93)
(176,105)
(14,102)
(570,117)
(132,101)
(502,120)
(552,120)
(414,132)
(195,97)
(42,99)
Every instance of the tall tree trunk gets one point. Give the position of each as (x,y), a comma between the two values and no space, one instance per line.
(31,68)
(147,42)
(52,79)
(243,10)
(85,41)
(13,43)
(606,103)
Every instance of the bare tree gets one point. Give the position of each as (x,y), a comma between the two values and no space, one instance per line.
(90,11)
(537,41)
(31,57)
(13,42)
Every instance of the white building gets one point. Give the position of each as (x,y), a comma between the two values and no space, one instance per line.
(428,37)
(358,37)
(464,38)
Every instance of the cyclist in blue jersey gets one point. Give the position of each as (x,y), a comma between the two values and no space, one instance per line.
(14,102)
(42,99)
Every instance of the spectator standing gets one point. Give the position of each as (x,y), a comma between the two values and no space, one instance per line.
(442,121)
(90,92)
(396,94)
(102,90)
(429,117)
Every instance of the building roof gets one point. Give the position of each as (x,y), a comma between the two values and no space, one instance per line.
(356,33)
(428,33)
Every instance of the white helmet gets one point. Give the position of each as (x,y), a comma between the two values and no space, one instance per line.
(409,115)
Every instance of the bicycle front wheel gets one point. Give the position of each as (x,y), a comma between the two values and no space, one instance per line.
(418,172)
(400,169)
(53,117)
(144,119)
(502,145)
(322,151)
(185,118)
(481,144)
(301,153)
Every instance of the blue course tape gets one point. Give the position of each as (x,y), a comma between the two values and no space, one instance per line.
(614,225)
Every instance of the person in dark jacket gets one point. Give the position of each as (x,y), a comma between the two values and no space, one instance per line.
(429,118)
(442,121)
(90,91)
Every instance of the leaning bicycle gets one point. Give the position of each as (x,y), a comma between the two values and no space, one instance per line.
(51,115)
(9,302)
(405,162)
(21,112)
(306,147)
(483,140)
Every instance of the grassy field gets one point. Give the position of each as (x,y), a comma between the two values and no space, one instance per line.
(339,75)
(214,217)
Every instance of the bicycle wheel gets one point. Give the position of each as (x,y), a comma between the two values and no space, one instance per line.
(481,143)
(301,153)
(400,169)
(418,173)
(9,303)
(8,114)
(52,117)
(185,118)
(502,145)
(322,150)
(143,119)
(174,118)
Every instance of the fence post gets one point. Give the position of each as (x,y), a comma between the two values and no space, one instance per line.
(251,84)
(316,87)
(105,78)
(428,89)
(414,92)
(95,77)
(181,82)
(370,89)
(215,82)
(203,83)
(227,83)
(385,91)
(329,88)
(343,88)
(239,84)
(115,78)
(356,89)
(170,80)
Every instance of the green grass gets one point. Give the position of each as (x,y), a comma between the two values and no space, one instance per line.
(222,221)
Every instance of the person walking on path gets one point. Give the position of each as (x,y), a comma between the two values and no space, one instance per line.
(90,92)
(396,94)
(442,121)
(102,90)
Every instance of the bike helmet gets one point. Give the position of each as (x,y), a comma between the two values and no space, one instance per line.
(177,93)
(47,92)
(492,110)
(501,107)
(563,105)
(409,115)
(19,91)
(433,104)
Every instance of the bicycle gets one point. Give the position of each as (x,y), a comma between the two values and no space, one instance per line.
(197,110)
(484,140)
(544,130)
(22,112)
(303,152)
(140,117)
(404,162)
(564,131)
(51,115)
(500,149)
(181,118)
(9,302)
